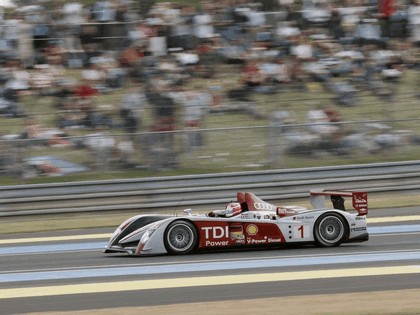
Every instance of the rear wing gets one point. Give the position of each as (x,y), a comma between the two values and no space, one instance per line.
(359,199)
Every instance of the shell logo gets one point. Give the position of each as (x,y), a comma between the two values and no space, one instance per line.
(252,229)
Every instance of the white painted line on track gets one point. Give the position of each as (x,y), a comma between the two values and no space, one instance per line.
(393,234)
(394,219)
(122,286)
(55,238)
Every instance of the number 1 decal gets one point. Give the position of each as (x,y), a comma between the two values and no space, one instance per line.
(301,231)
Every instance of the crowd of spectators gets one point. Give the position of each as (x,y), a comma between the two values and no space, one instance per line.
(155,52)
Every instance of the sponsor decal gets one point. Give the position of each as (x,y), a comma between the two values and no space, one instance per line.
(305,217)
(215,232)
(284,212)
(248,215)
(360,199)
(265,240)
(360,202)
(252,229)
(358,229)
(263,206)
(216,243)
(255,241)
(215,236)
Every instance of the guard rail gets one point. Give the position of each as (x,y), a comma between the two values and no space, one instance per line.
(207,190)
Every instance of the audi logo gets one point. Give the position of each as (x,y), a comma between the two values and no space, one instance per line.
(262,206)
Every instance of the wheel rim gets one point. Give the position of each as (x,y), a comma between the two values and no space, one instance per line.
(180,237)
(331,229)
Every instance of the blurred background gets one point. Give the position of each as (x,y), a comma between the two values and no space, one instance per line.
(119,88)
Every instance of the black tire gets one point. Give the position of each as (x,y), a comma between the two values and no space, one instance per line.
(180,237)
(330,230)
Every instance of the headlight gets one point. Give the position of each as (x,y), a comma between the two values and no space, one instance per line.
(146,236)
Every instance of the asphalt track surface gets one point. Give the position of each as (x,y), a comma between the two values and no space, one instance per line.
(67,271)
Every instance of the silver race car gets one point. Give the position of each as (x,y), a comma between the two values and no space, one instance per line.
(247,222)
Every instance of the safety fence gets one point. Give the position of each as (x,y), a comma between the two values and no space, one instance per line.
(277,145)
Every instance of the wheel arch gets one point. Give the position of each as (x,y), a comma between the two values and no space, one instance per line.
(346,226)
(188,222)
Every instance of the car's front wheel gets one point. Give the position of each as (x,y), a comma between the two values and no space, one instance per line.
(180,237)
(330,230)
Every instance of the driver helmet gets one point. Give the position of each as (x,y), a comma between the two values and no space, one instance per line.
(233,208)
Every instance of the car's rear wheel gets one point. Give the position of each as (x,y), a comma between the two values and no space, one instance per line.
(180,237)
(330,230)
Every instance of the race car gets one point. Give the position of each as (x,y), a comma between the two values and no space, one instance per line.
(248,222)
